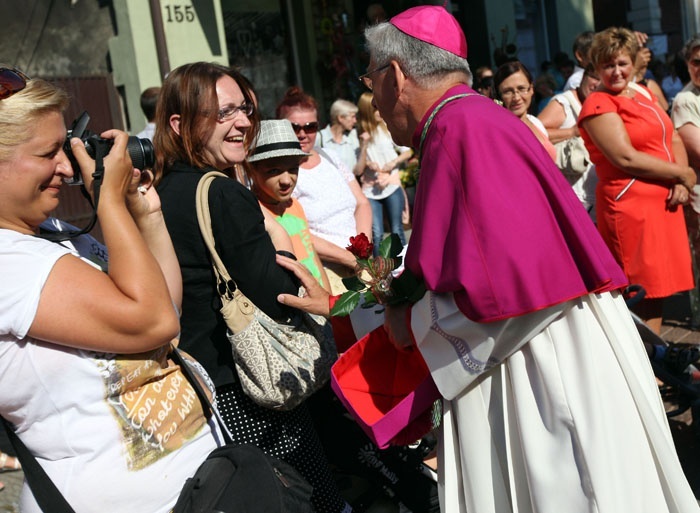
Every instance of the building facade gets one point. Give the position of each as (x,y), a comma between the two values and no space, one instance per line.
(105,52)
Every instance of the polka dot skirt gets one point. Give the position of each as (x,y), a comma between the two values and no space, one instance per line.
(287,435)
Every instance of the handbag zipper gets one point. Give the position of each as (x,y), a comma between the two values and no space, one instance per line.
(281,477)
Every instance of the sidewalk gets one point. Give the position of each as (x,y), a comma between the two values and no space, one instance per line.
(9,497)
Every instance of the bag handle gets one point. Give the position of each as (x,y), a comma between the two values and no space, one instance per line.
(228,290)
(204,220)
(573,102)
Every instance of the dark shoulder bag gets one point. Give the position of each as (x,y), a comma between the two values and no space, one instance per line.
(240,478)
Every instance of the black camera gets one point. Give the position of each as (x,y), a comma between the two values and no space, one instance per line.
(140,150)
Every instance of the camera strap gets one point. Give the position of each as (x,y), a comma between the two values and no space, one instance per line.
(101,152)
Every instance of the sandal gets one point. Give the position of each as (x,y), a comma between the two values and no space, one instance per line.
(9,463)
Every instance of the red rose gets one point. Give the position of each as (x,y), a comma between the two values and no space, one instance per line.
(360,246)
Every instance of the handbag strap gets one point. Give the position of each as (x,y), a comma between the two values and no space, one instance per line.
(226,285)
(574,102)
(209,411)
(47,496)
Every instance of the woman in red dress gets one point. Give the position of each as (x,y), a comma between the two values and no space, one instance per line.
(643,173)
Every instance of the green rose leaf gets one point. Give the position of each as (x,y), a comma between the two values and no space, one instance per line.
(391,246)
(346,304)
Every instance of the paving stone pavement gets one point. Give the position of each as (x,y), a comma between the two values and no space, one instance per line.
(676,328)
(9,497)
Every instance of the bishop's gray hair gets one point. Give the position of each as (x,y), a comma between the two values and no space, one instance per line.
(424,63)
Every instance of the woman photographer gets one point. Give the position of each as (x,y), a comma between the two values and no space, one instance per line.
(84,375)
(205,120)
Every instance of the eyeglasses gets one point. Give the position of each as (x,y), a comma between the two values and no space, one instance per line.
(694,62)
(368,81)
(510,93)
(11,81)
(230,112)
(309,128)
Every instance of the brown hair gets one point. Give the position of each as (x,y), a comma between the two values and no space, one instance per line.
(611,42)
(190,92)
(295,98)
(507,69)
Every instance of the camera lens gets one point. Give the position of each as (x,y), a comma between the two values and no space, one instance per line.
(141,152)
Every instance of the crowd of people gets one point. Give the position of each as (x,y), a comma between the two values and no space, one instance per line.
(526,228)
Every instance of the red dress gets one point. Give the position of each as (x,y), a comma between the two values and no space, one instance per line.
(648,240)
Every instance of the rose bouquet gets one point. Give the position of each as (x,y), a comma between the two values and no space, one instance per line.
(390,392)
(378,279)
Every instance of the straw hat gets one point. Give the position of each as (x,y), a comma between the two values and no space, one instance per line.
(276,139)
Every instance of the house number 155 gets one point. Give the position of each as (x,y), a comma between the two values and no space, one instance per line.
(179,13)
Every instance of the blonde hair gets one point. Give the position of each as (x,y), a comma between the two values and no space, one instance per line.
(20,112)
(366,114)
(611,42)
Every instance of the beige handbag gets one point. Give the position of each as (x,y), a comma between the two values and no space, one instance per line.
(279,364)
(572,156)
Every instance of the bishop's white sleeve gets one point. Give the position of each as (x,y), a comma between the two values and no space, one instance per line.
(458,350)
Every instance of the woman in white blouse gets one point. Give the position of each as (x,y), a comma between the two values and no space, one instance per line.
(379,160)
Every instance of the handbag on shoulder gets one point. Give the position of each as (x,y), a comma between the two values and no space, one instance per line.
(279,364)
(572,156)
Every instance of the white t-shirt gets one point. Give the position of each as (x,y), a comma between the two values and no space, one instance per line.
(686,107)
(328,202)
(381,149)
(574,79)
(114,433)
(148,132)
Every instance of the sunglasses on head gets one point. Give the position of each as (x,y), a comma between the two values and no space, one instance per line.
(11,81)
(309,128)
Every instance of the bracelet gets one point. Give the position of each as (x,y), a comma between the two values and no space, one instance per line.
(286,254)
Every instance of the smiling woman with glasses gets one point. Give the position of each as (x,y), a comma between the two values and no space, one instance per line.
(205,118)
(230,111)
(332,199)
(513,84)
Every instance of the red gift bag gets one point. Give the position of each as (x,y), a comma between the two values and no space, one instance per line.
(389,392)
